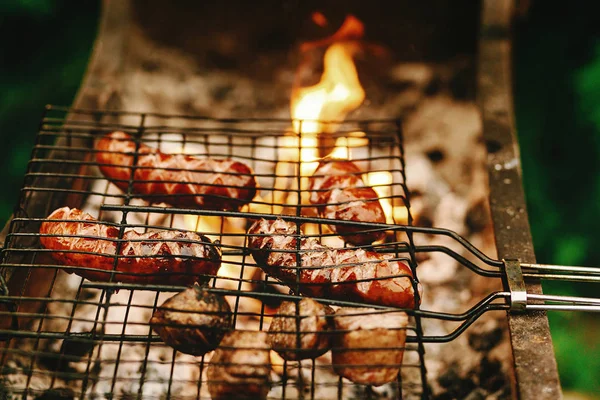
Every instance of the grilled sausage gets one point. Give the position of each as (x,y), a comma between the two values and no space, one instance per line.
(339,193)
(368,346)
(167,257)
(176,179)
(339,274)
(193,321)
(311,340)
(240,368)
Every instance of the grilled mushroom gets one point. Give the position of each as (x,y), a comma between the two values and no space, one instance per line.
(240,368)
(193,321)
(311,340)
(368,345)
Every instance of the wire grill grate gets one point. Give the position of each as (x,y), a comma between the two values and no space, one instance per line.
(94,337)
(93,350)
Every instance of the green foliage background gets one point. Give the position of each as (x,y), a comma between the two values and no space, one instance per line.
(46,47)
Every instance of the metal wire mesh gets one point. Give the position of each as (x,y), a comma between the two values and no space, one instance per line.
(94,336)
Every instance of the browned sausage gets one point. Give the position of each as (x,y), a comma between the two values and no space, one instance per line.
(193,321)
(176,179)
(339,274)
(368,346)
(301,330)
(339,193)
(240,368)
(168,257)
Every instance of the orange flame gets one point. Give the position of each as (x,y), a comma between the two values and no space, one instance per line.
(339,90)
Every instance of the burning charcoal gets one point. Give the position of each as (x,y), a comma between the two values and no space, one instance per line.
(477,216)
(193,321)
(240,368)
(313,336)
(461,84)
(490,375)
(485,336)
(435,155)
(368,346)
(457,386)
(57,394)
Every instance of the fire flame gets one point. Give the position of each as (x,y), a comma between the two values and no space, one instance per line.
(338,92)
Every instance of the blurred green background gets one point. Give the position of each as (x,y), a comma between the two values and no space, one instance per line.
(47,45)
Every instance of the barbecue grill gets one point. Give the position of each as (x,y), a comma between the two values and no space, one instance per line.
(65,336)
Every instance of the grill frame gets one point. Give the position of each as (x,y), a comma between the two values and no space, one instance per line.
(536,371)
(41,184)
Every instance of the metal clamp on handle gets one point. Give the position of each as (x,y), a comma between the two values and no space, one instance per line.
(518,293)
(516,284)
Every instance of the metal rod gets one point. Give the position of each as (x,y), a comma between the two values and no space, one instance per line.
(574,278)
(564,299)
(548,267)
(562,307)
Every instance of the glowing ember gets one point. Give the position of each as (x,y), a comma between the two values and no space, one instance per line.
(319,19)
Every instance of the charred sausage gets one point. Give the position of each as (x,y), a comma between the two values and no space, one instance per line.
(339,193)
(311,340)
(165,256)
(368,346)
(176,179)
(338,274)
(193,321)
(240,368)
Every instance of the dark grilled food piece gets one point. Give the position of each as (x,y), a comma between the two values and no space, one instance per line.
(313,318)
(240,368)
(337,274)
(155,257)
(193,321)
(176,179)
(340,194)
(368,345)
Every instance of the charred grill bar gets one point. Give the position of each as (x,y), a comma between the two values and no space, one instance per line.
(93,337)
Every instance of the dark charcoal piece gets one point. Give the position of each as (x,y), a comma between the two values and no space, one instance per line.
(448,378)
(57,394)
(436,155)
(484,337)
(77,348)
(490,376)
(477,217)
(462,85)
(457,387)
(433,87)
(193,321)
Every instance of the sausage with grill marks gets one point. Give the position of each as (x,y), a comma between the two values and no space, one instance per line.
(159,257)
(176,179)
(339,193)
(337,274)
